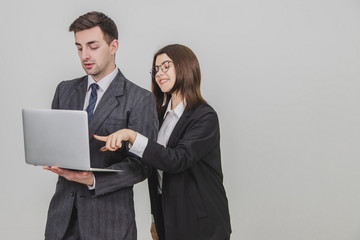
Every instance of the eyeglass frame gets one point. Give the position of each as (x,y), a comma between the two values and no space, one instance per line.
(161,66)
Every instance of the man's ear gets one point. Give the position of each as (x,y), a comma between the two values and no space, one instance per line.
(114,45)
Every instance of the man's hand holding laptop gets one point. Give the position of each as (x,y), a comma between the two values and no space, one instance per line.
(84,177)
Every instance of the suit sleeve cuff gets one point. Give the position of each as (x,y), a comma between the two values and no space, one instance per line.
(93,186)
(139,145)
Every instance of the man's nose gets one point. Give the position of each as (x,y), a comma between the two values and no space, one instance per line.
(85,54)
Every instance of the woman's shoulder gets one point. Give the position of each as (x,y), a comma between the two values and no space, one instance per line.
(203,116)
(203,110)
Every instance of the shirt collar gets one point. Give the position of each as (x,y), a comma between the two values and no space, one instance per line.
(103,83)
(178,110)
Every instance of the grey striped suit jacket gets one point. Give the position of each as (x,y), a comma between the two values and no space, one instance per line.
(108,211)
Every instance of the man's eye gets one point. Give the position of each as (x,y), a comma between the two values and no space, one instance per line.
(94,47)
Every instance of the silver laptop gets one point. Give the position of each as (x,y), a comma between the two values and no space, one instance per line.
(57,138)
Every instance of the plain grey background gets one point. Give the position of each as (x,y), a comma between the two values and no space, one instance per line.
(283,76)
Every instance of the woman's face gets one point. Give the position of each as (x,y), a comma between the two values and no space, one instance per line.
(165,72)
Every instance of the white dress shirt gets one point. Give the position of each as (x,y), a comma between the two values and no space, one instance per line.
(171,117)
(103,83)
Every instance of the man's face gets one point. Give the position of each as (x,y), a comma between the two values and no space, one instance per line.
(97,57)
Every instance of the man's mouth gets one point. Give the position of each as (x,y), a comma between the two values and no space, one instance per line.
(88,65)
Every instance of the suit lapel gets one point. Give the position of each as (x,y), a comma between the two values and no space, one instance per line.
(180,125)
(77,100)
(108,102)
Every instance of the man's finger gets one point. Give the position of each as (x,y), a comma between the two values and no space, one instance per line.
(118,143)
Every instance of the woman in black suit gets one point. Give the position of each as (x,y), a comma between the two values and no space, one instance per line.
(188,199)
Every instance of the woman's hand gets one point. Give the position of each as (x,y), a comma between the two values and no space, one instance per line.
(153,231)
(114,141)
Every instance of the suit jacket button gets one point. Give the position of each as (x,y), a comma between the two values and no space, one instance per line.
(72,194)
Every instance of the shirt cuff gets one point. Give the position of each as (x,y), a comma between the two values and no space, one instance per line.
(139,145)
(152,218)
(93,186)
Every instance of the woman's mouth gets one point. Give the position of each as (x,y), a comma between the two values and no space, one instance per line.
(162,81)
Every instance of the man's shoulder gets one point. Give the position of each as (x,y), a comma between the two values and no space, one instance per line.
(124,84)
(134,87)
(135,91)
(73,82)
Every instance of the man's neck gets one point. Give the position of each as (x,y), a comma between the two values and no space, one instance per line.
(104,73)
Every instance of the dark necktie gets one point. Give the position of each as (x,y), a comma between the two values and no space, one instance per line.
(92,101)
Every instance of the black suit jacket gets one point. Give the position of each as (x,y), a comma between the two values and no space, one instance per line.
(193,197)
(108,211)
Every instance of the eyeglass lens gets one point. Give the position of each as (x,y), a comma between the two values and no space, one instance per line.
(164,67)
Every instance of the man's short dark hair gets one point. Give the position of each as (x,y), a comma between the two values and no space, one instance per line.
(93,19)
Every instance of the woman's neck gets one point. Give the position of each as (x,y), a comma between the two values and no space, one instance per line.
(175,100)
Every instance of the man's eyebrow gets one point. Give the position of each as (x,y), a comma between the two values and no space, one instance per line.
(91,42)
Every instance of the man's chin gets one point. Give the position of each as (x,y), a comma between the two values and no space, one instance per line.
(90,71)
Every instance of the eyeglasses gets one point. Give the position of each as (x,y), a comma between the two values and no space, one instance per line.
(164,68)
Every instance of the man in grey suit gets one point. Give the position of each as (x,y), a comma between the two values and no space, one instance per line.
(99,205)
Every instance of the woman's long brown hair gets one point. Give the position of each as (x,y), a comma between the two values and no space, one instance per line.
(188,78)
